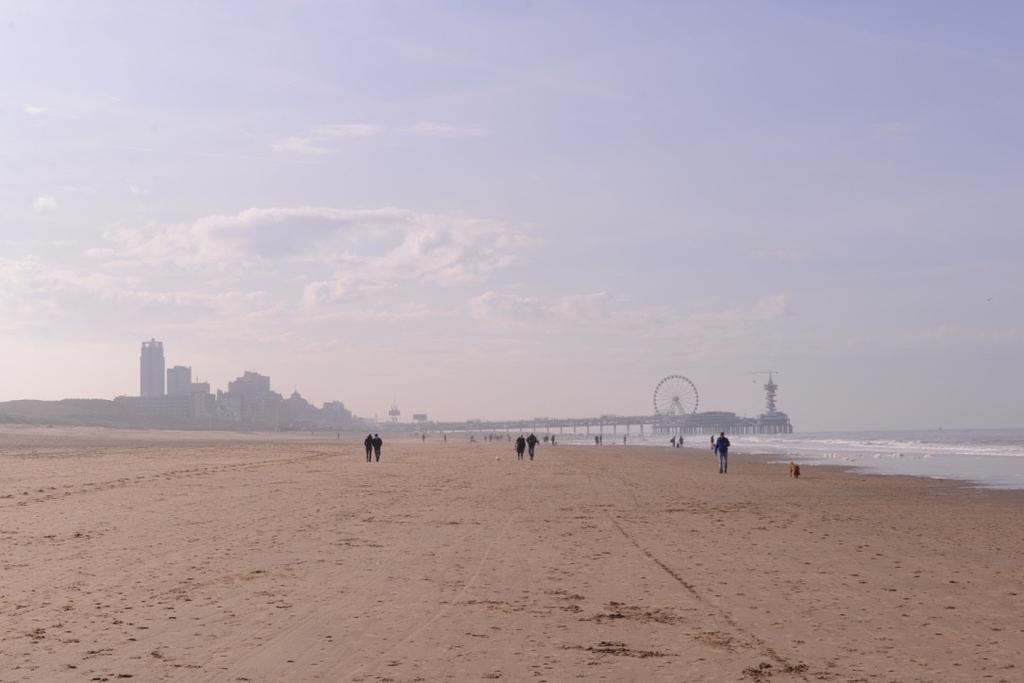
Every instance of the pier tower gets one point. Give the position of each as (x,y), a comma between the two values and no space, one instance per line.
(769,392)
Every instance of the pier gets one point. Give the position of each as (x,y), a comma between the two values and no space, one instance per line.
(642,425)
(675,402)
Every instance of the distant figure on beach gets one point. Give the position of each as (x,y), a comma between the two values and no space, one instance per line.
(623,439)
(424,437)
(712,442)
(552,439)
(520,447)
(377,443)
(679,442)
(445,437)
(672,441)
(722,448)
(531,442)
(368,442)
(597,441)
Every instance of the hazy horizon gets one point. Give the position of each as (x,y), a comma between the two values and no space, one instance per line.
(512,211)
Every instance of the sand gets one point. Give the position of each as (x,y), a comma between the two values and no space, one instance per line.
(162,556)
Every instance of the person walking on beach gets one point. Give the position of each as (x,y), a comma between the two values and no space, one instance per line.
(520,447)
(368,442)
(531,441)
(712,442)
(722,448)
(672,441)
(377,443)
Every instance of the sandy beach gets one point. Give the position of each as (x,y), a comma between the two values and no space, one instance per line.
(163,556)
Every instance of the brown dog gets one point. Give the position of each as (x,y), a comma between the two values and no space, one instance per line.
(794,470)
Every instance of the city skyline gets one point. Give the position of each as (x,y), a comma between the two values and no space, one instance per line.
(543,212)
(250,399)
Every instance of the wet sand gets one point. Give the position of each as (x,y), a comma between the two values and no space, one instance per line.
(161,556)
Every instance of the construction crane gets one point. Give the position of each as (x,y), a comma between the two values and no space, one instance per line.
(769,389)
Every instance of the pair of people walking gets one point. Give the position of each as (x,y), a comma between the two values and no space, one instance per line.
(373,442)
(523,443)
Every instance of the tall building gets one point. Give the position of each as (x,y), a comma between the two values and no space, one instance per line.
(203,404)
(250,399)
(179,381)
(151,369)
(252,385)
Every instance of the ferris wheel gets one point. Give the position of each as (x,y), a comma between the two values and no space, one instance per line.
(675,395)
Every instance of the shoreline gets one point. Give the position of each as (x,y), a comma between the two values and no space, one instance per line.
(1013,481)
(1010,481)
(113,435)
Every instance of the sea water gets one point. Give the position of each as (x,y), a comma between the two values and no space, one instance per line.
(987,457)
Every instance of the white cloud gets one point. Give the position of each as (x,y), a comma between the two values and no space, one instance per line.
(428,249)
(31,278)
(772,307)
(35,293)
(348,130)
(33,110)
(298,145)
(498,306)
(446,130)
(313,143)
(573,308)
(44,202)
(257,272)
(337,251)
(138,190)
(585,307)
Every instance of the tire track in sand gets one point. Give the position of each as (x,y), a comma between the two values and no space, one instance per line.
(744,636)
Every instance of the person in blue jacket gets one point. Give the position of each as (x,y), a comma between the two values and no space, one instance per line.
(722,449)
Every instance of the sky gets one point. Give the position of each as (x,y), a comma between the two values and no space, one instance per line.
(504,210)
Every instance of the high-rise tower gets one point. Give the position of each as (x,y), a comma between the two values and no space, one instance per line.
(151,369)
